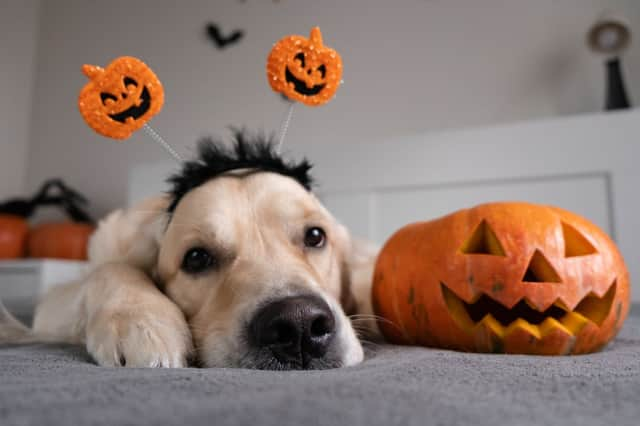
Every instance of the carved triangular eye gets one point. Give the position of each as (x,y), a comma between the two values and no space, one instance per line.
(540,270)
(483,241)
(576,244)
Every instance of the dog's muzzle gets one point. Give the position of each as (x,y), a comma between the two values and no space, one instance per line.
(296,330)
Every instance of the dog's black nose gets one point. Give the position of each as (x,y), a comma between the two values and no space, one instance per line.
(296,329)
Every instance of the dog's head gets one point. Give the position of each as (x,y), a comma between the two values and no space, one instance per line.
(255,262)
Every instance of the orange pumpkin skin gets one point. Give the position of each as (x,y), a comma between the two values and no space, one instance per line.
(65,240)
(121,98)
(13,236)
(304,69)
(447,283)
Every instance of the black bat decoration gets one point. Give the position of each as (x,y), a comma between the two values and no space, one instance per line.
(223,41)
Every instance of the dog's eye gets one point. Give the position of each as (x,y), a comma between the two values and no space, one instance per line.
(315,237)
(197,260)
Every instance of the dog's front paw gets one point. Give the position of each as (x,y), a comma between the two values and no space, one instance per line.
(139,339)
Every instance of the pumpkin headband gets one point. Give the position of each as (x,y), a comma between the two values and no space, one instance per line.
(247,152)
(121,98)
(303,70)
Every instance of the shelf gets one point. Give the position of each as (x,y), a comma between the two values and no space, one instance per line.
(23,282)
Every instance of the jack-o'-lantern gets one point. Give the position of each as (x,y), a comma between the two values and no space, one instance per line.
(304,69)
(121,98)
(503,278)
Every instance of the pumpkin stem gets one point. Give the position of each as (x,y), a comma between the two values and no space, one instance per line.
(91,71)
(316,36)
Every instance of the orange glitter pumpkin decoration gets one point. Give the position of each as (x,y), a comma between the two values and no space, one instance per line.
(304,70)
(120,99)
(504,278)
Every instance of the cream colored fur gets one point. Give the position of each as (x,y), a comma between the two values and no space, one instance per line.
(138,308)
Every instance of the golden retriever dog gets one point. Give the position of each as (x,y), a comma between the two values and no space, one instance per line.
(239,265)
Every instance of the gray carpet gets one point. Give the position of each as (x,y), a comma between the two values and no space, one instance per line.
(58,385)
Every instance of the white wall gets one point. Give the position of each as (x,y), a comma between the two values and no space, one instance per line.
(420,177)
(410,66)
(18,37)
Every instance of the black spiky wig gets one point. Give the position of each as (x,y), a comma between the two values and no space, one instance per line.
(246,152)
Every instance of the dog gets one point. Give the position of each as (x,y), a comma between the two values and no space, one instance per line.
(238,265)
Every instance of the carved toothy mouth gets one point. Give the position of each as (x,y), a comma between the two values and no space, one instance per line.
(134,112)
(300,86)
(484,310)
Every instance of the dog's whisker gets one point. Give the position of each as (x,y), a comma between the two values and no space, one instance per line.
(362,327)
(358,317)
(378,319)
(372,318)
(366,316)
(366,342)
(369,342)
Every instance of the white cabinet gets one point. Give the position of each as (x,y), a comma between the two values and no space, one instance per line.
(22,282)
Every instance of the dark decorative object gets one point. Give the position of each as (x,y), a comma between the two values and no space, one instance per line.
(222,41)
(616,93)
(67,199)
(611,37)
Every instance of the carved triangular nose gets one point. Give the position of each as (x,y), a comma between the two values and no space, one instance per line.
(540,270)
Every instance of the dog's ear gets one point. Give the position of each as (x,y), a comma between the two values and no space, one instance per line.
(131,236)
(358,261)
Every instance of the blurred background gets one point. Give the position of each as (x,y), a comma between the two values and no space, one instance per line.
(411,67)
(445,104)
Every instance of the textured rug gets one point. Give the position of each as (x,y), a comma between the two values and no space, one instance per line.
(59,385)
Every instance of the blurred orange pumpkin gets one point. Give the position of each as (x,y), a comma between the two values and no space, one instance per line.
(13,236)
(63,240)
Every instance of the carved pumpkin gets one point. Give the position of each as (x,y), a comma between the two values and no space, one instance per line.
(502,277)
(13,236)
(120,99)
(64,240)
(304,69)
